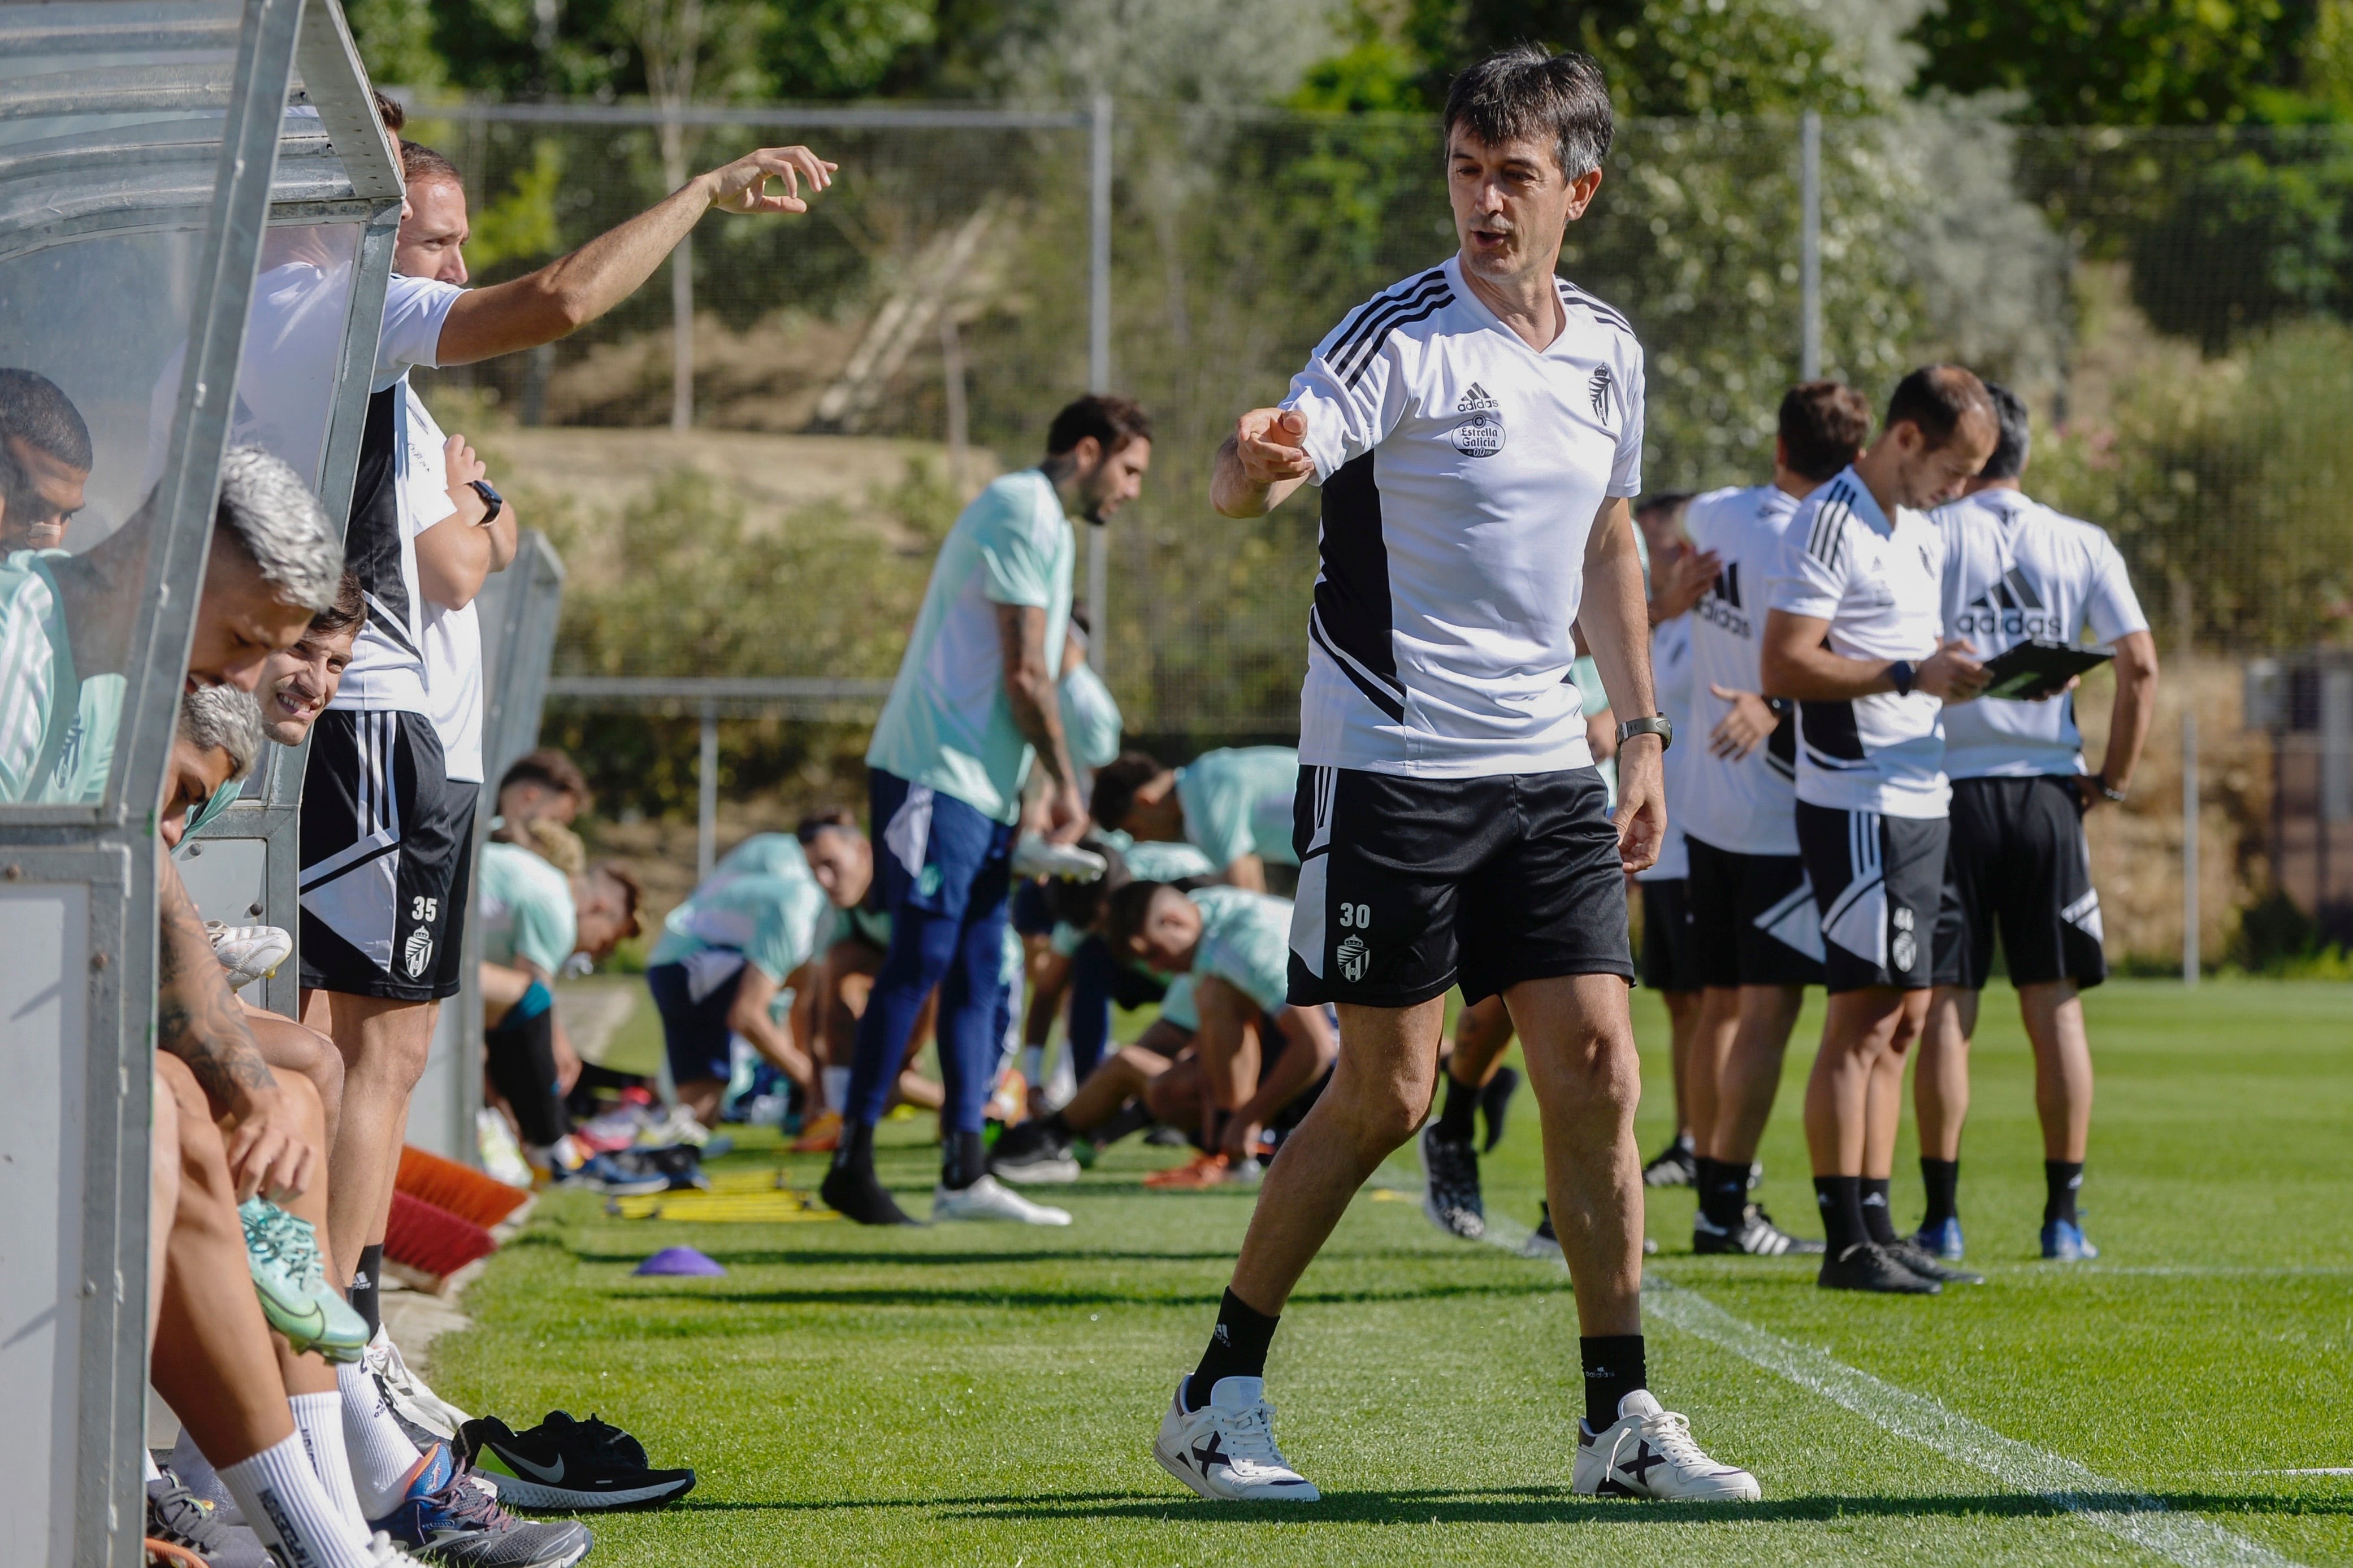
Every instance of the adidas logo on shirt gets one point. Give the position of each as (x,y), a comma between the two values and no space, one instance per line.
(1721,606)
(1476,401)
(2011,609)
(1481,433)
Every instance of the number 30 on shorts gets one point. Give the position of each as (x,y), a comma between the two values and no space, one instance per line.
(1356,917)
(421,907)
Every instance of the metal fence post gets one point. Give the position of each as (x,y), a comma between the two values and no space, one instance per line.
(706,779)
(1099,356)
(1809,245)
(2189,954)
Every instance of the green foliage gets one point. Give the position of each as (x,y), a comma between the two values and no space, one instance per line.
(2251,239)
(523,224)
(2119,62)
(2278,941)
(397,40)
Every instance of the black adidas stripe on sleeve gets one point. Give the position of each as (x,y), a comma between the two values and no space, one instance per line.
(1361,320)
(1420,305)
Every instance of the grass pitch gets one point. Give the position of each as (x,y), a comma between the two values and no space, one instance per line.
(987,1394)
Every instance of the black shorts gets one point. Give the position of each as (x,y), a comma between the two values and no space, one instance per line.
(2018,859)
(1753,921)
(1669,963)
(383,847)
(1408,887)
(1878,881)
(695,1034)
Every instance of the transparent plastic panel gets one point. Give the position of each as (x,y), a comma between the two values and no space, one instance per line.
(98,67)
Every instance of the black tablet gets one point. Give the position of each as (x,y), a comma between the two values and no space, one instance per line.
(2038,667)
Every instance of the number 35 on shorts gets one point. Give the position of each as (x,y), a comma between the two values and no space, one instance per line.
(421,907)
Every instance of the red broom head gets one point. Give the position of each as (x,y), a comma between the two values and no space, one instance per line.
(433,1241)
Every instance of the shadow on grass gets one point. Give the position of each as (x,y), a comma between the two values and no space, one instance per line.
(819,1258)
(873,1296)
(1540,1505)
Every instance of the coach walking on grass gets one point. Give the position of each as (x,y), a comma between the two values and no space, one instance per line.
(1476,431)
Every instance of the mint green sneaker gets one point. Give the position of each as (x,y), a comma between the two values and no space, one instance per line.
(282,1250)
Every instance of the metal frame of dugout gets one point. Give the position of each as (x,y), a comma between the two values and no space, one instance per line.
(153,153)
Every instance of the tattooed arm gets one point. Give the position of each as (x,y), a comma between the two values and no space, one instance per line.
(197,1019)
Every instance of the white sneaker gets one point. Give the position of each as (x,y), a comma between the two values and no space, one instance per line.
(1647,1452)
(1034,856)
(380,1553)
(502,1157)
(248,953)
(986,1199)
(1224,1450)
(407,1394)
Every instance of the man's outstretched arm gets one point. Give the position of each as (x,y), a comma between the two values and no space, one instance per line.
(568,293)
(1262,463)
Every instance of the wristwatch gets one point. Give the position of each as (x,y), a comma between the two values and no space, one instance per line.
(2100,781)
(1901,673)
(1659,726)
(490,499)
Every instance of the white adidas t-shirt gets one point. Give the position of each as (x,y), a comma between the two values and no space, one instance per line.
(1877,580)
(1671,680)
(1462,470)
(1741,806)
(452,639)
(2016,570)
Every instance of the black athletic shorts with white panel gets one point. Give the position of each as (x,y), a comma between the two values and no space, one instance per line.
(1450,823)
(1408,888)
(2018,863)
(382,852)
(1879,882)
(1753,921)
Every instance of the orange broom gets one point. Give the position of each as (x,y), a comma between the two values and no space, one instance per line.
(481,1200)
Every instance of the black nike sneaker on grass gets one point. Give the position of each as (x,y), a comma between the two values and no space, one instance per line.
(570,1467)
(1494,1102)
(1865,1266)
(1033,1151)
(1928,1266)
(1676,1166)
(856,1195)
(1450,1195)
(1755,1236)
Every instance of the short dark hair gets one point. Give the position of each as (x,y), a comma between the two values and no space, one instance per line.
(1080,904)
(1666,500)
(1116,782)
(1523,91)
(633,893)
(1823,425)
(419,163)
(1111,420)
(1129,906)
(550,769)
(1935,398)
(388,109)
(349,609)
(34,410)
(818,822)
(2011,451)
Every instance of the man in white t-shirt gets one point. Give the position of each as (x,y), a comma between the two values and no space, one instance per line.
(1476,432)
(2014,571)
(1855,633)
(1757,935)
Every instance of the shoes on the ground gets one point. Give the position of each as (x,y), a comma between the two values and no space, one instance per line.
(282,1252)
(177,1517)
(1201,1171)
(1450,1196)
(603,1173)
(1864,1267)
(1928,1266)
(445,1514)
(671,1129)
(502,1156)
(986,1199)
(857,1196)
(1543,1242)
(1676,1165)
(1033,1152)
(412,1402)
(249,954)
(1942,1239)
(1494,1100)
(1224,1450)
(1033,856)
(567,1466)
(1755,1236)
(821,1134)
(2063,1242)
(1647,1452)
(679,1165)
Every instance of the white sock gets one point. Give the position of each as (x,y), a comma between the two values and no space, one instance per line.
(319,1417)
(283,1503)
(837,1087)
(380,1453)
(147,1470)
(196,1473)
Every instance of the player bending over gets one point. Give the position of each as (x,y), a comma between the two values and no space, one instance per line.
(1449,822)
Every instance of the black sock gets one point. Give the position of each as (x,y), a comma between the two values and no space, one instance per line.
(1943,1179)
(1454,1123)
(1131,1117)
(854,1152)
(963,1161)
(1878,1214)
(1060,1126)
(366,1288)
(1613,1369)
(1237,1349)
(1841,1200)
(2060,1180)
(1723,1191)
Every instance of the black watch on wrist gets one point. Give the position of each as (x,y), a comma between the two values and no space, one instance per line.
(1659,726)
(1901,673)
(490,499)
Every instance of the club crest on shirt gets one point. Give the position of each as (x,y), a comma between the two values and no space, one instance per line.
(1599,390)
(1481,434)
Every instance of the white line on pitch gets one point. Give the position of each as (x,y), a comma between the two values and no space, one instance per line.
(2108,1505)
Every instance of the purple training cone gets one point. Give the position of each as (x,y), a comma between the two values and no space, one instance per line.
(681,1261)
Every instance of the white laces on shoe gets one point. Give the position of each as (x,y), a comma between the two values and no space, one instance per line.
(1250,1434)
(1669,1432)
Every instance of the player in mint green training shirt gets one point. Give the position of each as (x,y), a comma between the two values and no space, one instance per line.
(1233,804)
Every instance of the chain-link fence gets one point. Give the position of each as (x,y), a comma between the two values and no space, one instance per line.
(2170,302)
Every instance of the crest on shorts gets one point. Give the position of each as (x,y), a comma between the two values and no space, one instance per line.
(1904,951)
(1353,955)
(417,953)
